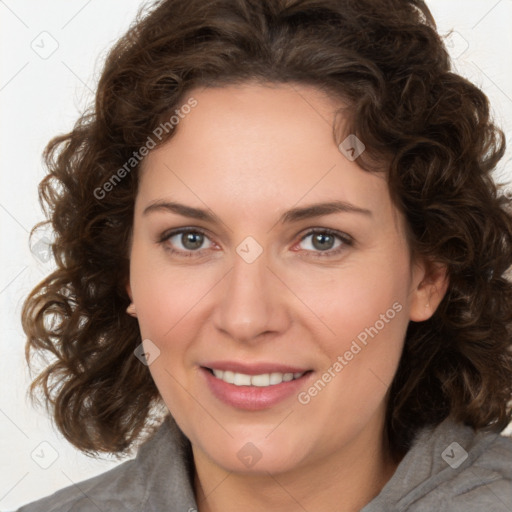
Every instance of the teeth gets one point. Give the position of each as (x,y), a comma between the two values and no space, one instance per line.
(276,378)
(228,377)
(242,379)
(262,380)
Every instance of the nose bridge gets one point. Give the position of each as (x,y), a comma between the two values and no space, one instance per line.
(251,304)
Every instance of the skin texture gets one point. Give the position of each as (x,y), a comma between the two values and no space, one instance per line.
(292,305)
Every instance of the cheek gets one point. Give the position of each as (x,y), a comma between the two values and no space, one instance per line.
(369,324)
(367,303)
(168,303)
(166,296)
(365,311)
(361,298)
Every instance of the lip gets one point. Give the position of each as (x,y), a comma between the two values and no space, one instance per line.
(253,398)
(253,368)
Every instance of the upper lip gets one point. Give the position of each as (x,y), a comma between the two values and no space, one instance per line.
(253,368)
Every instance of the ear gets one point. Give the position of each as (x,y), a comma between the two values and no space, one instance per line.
(429,284)
(131,307)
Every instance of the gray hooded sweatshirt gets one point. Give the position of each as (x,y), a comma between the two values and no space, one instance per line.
(448,468)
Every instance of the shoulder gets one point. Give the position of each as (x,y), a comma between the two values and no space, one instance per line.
(97,493)
(451,468)
(159,474)
(469,471)
(486,482)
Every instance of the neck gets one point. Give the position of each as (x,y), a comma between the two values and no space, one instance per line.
(346,480)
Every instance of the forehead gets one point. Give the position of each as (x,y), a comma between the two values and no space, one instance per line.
(254,124)
(260,145)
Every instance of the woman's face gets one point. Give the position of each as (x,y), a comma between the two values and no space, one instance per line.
(250,293)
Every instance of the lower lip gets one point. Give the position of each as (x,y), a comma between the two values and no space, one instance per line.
(252,398)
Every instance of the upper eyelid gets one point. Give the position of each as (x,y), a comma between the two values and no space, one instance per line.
(168,233)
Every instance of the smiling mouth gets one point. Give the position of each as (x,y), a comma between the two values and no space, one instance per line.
(261,380)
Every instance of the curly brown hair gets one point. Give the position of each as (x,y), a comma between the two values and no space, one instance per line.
(431,127)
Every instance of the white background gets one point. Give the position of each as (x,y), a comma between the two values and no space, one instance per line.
(41,97)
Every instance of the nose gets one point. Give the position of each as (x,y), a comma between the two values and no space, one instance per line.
(253,301)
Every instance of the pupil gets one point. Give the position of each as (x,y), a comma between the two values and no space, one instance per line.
(195,240)
(321,238)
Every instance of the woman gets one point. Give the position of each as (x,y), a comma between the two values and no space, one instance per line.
(282,265)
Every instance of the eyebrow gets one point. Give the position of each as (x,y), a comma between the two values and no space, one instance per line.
(288,217)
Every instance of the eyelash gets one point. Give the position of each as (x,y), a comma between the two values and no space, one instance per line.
(346,240)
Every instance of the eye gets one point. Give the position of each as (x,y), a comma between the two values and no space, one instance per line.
(188,241)
(325,242)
